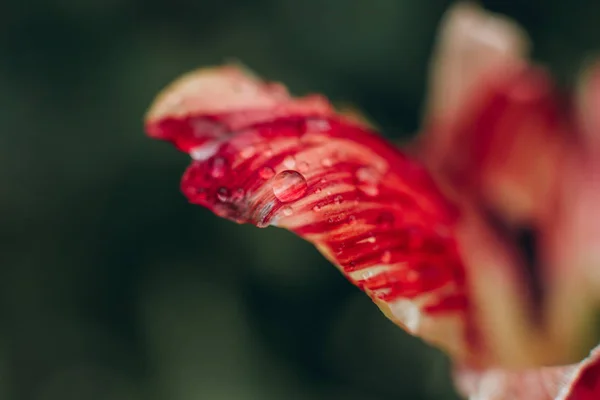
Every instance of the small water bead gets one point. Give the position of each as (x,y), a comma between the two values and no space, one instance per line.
(369,190)
(218,167)
(289,186)
(386,257)
(318,190)
(317,208)
(367,175)
(266,172)
(326,162)
(222,194)
(289,162)
(371,239)
(247,152)
(287,211)
(338,199)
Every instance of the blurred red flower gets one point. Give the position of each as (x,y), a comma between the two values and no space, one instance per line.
(483,238)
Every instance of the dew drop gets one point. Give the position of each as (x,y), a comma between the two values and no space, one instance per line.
(318,190)
(247,152)
(218,167)
(386,257)
(222,194)
(367,175)
(323,180)
(289,162)
(369,190)
(326,162)
(287,211)
(371,239)
(317,208)
(289,186)
(266,172)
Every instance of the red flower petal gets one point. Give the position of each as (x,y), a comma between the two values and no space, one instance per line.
(268,159)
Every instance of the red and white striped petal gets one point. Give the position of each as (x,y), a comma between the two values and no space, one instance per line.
(376,214)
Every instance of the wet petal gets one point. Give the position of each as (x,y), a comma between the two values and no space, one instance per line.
(373,212)
(211,103)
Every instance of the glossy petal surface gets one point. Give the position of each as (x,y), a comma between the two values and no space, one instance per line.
(372,211)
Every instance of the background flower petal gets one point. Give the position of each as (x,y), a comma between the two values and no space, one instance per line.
(573,382)
(499,137)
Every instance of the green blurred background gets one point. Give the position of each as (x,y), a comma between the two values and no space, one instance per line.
(113,287)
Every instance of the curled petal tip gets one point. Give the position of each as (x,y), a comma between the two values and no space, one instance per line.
(209,103)
(471,43)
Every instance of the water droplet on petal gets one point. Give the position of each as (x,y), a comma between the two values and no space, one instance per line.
(289,186)
(289,162)
(318,190)
(266,172)
(369,190)
(317,208)
(222,194)
(371,239)
(218,167)
(287,211)
(326,162)
(323,180)
(386,257)
(367,175)
(247,152)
